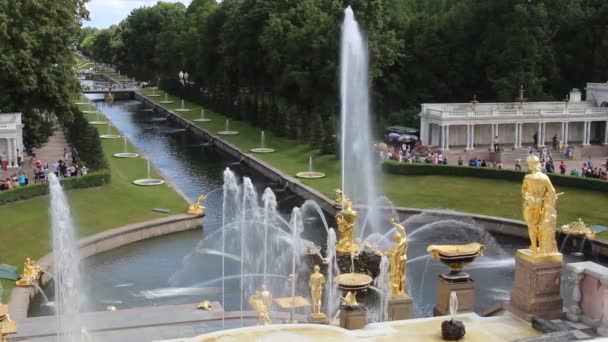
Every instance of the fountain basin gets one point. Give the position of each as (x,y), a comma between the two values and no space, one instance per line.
(165,102)
(126,155)
(183,110)
(310,174)
(153,95)
(148,182)
(89,111)
(98,122)
(456,257)
(353,281)
(227,132)
(202,120)
(262,150)
(81,103)
(109,136)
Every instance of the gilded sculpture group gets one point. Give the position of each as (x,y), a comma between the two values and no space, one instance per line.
(539,211)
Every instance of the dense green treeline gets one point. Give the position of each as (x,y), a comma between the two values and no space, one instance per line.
(36,61)
(275,62)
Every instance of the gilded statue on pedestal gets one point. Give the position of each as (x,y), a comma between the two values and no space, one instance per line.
(261,302)
(30,273)
(539,200)
(398,260)
(196,208)
(346,220)
(316,284)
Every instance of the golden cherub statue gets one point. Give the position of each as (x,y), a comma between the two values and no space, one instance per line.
(398,260)
(346,220)
(30,273)
(196,208)
(260,301)
(316,284)
(539,200)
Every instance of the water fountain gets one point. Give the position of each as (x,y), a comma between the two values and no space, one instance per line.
(262,148)
(202,118)
(358,165)
(310,174)
(166,100)
(125,154)
(227,130)
(109,134)
(81,101)
(66,261)
(182,108)
(148,181)
(97,120)
(90,109)
(154,94)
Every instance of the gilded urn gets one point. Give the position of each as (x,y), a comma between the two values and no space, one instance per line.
(456,257)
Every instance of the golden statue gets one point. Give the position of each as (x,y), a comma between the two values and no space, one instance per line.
(205,305)
(346,220)
(30,273)
(196,208)
(539,199)
(316,284)
(338,200)
(398,260)
(578,228)
(350,299)
(261,301)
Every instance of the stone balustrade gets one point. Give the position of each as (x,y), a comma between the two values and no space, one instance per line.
(589,295)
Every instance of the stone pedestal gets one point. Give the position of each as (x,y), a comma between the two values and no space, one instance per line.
(465,291)
(352,318)
(536,289)
(318,318)
(400,308)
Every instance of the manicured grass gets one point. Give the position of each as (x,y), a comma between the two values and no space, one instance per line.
(25,228)
(474,195)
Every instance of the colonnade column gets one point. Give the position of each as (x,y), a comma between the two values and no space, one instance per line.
(562,131)
(566,129)
(515,134)
(447,138)
(424,131)
(586,132)
(606,133)
(472,146)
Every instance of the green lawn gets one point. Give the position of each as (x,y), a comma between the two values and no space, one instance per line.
(25,225)
(473,195)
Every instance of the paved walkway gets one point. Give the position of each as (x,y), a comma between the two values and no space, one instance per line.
(48,153)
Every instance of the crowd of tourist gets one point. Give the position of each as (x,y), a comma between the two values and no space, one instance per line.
(416,153)
(40,170)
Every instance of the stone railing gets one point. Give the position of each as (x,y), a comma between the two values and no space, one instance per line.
(513,112)
(589,295)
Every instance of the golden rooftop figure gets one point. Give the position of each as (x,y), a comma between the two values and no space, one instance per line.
(539,203)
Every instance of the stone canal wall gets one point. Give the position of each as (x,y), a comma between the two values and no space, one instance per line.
(20,296)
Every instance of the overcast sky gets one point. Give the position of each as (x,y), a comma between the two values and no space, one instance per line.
(104,13)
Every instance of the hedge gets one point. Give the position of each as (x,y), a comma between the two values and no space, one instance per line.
(414,169)
(39,189)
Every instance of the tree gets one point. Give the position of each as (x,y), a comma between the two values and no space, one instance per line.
(36,60)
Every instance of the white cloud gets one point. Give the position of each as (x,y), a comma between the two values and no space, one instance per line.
(104,13)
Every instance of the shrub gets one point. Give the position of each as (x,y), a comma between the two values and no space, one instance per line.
(484,172)
(34,190)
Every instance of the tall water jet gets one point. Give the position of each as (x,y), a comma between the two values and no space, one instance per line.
(66,259)
(358,167)
(332,272)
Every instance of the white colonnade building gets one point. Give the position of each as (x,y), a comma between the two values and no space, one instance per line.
(11,137)
(473,124)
